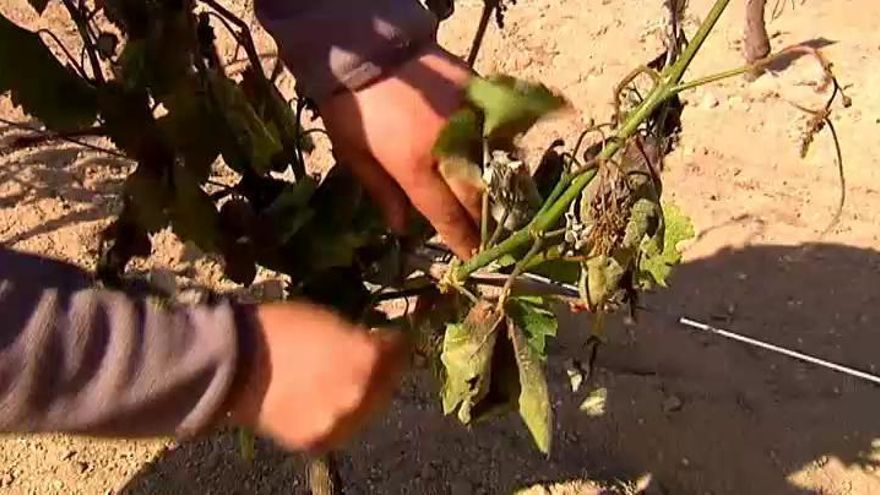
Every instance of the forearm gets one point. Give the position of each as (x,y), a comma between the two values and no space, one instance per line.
(336,44)
(76,359)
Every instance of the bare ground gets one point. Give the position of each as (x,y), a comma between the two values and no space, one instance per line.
(699,414)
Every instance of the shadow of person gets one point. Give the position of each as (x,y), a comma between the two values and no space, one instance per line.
(701,414)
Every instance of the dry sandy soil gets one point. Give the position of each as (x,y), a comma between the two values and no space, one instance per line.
(699,414)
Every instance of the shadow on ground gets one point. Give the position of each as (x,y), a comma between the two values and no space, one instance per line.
(701,414)
(61,173)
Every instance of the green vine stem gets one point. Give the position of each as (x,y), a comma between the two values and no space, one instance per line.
(549,215)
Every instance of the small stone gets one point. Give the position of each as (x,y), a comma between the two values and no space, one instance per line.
(6,479)
(672,404)
(82,467)
(709,101)
(822,461)
(57,484)
(68,454)
(685,462)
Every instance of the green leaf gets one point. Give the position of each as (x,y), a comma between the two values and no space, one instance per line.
(39,84)
(274,110)
(460,136)
(534,397)
(510,106)
(290,211)
(193,215)
(661,253)
(189,127)
(39,5)
(256,144)
(149,197)
(533,316)
(467,358)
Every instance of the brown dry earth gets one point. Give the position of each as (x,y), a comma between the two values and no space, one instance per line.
(700,415)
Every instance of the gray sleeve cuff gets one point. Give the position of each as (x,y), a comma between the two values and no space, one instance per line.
(332,45)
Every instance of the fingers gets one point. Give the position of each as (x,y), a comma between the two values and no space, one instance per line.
(384,191)
(465,182)
(387,365)
(432,196)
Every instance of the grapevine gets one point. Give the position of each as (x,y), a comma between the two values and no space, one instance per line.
(591,215)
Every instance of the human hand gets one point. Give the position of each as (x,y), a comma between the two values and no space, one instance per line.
(386,132)
(315,378)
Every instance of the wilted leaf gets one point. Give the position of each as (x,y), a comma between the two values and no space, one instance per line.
(643,221)
(433,310)
(510,106)
(504,386)
(534,397)
(660,254)
(604,274)
(40,84)
(460,137)
(533,316)
(257,144)
(594,404)
(467,358)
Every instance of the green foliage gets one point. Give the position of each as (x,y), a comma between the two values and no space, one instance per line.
(510,106)
(460,136)
(662,252)
(39,84)
(170,105)
(193,215)
(257,146)
(537,321)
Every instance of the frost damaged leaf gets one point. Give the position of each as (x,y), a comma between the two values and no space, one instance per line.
(534,397)
(40,84)
(661,253)
(510,106)
(467,359)
(532,315)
